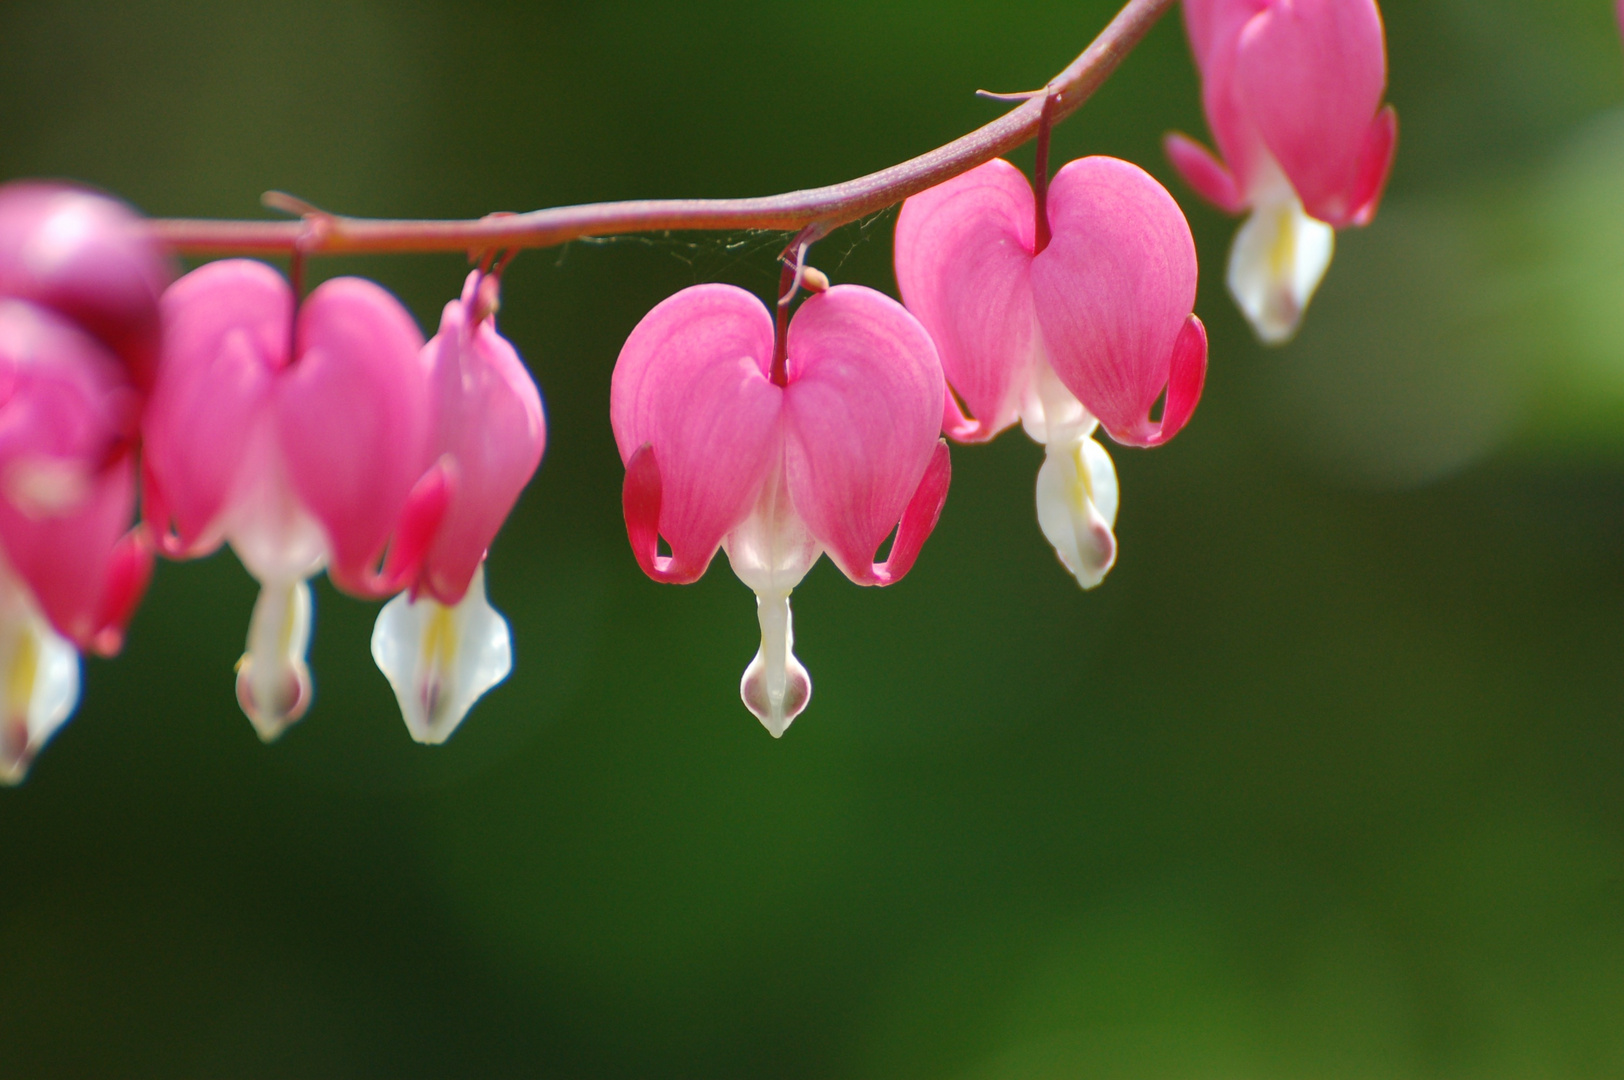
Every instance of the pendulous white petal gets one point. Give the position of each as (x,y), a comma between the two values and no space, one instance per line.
(273,680)
(1279,257)
(440,659)
(1077,505)
(771,551)
(39,683)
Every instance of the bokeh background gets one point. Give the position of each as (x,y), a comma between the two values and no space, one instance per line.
(1327,780)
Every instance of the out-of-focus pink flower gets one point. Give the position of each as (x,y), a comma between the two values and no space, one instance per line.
(88,258)
(79,287)
(1098,324)
(833,459)
(440,643)
(1293,94)
(298,441)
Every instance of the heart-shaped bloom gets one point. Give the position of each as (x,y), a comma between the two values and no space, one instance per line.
(1292,90)
(79,285)
(440,643)
(1089,331)
(831,459)
(298,440)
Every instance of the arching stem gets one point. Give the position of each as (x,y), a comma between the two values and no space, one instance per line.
(828,207)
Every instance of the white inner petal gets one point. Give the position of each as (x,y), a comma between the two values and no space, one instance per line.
(776,686)
(39,680)
(269,529)
(771,551)
(1279,258)
(1077,505)
(1050,413)
(439,659)
(273,680)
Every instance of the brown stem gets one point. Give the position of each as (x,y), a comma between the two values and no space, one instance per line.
(826,207)
(786,292)
(1040,177)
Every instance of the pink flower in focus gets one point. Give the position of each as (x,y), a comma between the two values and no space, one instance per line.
(1292,91)
(298,441)
(78,321)
(440,643)
(830,459)
(1089,331)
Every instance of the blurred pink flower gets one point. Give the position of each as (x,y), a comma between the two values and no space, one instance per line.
(79,287)
(1292,91)
(299,442)
(440,643)
(1097,324)
(831,459)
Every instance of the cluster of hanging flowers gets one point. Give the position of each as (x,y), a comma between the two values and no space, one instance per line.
(322,433)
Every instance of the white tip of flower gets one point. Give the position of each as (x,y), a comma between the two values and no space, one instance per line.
(1280,256)
(439,659)
(273,680)
(40,687)
(1077,506)
(775,686)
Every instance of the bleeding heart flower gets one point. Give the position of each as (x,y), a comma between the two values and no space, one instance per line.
(827,449)
(1292,91)
(79,285)
(1097,324)
(440,643)
(299,442)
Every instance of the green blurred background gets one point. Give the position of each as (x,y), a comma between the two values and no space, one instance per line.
(1327,780)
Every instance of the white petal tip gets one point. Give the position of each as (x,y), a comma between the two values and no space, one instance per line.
(775,687)
(440,660)
(776,715)
(273,680)
(1279,258)
(39,689)
(1077,504)
(273,705)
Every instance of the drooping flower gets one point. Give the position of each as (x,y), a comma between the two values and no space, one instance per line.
(1090,330)
(78,318)
(778,455)
(1292,90)
(440,643)
(299,440)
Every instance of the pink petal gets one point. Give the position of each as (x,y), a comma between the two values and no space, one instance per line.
(226,329)
(1114,292)
(641,497)
(1375,163)
(691,383)
(963,251)
(492,428)
(129,572)
(918,521)
(1310,74)
(87,257)
(862,413)
(67,480)
(1214,25)
(426,512)
(1215,28)
(1205,173)
(353,421)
